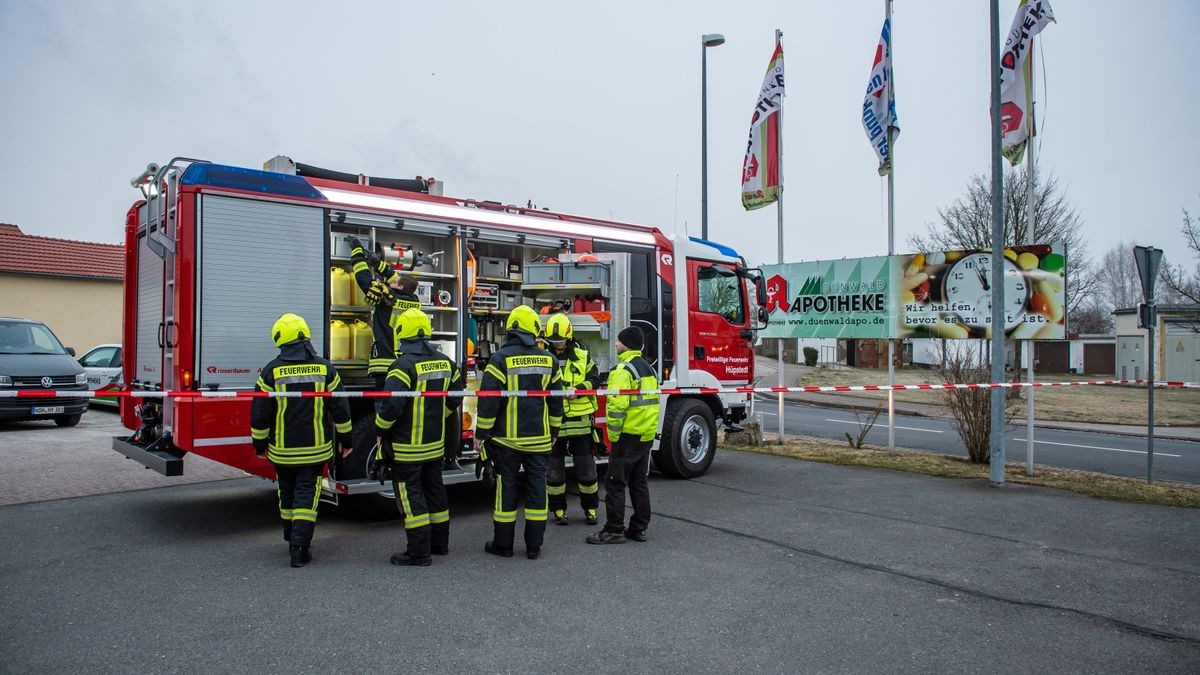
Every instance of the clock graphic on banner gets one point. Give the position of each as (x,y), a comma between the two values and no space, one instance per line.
(967,286)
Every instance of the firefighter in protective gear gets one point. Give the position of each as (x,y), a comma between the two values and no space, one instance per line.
(517,432)
(390,297)
(576,370)
(297,434)
(412,432)
(632,421)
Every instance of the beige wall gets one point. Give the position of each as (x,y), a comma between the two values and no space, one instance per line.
(82,312)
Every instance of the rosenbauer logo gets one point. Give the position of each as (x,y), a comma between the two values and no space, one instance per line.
(215,370)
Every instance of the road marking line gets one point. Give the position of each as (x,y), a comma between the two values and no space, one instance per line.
(1097,447)
(928,431)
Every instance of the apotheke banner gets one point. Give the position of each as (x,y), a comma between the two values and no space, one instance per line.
(943,294)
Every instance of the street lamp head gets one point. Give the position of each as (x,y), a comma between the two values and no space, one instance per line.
(712,39)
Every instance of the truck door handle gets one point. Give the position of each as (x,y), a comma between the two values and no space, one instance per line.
(168,333)
(160,334)
(698,352)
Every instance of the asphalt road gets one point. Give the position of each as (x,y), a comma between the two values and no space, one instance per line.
(765,564)
(1107,453)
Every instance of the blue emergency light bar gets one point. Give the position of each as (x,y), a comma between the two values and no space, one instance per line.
(251,180)
(722,248)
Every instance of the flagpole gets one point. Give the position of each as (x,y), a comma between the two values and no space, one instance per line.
(891,217)
(779,212)
(1031,196)
(996,396)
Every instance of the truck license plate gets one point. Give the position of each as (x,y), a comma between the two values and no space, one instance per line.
(50,410)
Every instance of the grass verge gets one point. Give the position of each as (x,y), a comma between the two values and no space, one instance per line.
(945,466)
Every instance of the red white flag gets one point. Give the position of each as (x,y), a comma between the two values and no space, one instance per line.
(760,168)
(1016,78)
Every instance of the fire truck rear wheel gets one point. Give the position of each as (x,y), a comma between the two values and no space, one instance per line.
(376,505)
(689,440)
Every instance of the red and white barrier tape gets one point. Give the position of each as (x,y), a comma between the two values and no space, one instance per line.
(666,391)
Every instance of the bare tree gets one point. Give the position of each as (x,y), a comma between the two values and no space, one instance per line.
(967,224)
(971,409)
(1094,318)
(865,421)
(1118,284)
(1181,285)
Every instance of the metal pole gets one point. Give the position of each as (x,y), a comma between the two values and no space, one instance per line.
(703,139)
(891,216)
(996,436)
(1031,207)
(1150,396)
(779,213)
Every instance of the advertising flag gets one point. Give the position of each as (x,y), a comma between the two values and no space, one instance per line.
(879,105)
(1016,77)
(760,168)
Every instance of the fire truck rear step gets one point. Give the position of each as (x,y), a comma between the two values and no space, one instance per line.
(162,457)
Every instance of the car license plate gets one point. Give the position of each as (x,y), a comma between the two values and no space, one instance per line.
(50,410)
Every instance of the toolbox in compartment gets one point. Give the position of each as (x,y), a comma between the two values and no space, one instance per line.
(543,273)
(585,273)
(493,267)
(509,299)
(487,296)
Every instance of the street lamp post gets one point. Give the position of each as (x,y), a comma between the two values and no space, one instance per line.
(707,40)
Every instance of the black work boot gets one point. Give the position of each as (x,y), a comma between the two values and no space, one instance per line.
(606,537)
(636,535)
(489,547)
(560,517)
(300,555)
(533,553)
(590,516)
(406,559)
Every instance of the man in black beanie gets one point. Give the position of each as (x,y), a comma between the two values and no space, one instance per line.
(632,421)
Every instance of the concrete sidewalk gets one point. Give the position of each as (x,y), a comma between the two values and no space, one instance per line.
(767,370)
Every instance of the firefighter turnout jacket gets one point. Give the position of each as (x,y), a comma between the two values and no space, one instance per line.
(416,426)
(634,415)
(577,370)
(387,310)
(298,430)
(522,423)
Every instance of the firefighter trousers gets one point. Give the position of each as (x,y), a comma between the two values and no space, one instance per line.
(509,483)
(423,505)
(627,467)
(298,497)
(580,449)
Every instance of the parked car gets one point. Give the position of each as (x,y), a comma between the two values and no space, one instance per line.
(102,364)
(31,357)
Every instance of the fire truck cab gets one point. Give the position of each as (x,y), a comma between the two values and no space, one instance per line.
(215,253)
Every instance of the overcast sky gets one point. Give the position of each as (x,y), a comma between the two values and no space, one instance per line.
(594,108)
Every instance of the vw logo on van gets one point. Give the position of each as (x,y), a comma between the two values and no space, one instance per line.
(47,382)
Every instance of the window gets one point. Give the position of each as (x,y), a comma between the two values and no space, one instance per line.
(27,338)
(719,293)
(100,357)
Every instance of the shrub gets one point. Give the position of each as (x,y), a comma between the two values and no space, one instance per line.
(810,356)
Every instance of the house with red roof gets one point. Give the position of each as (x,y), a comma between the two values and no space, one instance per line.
(74,287)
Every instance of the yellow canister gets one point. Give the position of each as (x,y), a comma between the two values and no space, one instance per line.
(339,341)
(356,294)
(363,338)
(340,282)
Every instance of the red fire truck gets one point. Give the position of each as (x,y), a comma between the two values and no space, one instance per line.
(215,253)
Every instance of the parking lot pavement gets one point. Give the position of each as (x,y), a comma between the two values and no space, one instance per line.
(42,461)
(766,564)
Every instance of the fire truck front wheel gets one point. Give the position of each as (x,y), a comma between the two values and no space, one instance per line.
(689,439)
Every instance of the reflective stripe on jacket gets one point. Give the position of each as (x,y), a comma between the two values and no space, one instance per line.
(417,426)
(577,370)
(299,431)
(632,414)
(524,423)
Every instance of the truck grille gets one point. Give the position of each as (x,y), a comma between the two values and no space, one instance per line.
(35,381)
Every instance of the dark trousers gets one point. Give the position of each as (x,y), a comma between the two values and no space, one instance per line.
(508,482)
(580,449)
(298,497)
(424,506)
(627,466)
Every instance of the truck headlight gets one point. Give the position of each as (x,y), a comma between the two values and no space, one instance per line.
(81,378)
(5,381)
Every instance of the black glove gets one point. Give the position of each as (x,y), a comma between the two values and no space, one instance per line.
(373,260)
(484,467)
(379,469)
(345,440)
(260,446)
(599,449)
(356,244)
